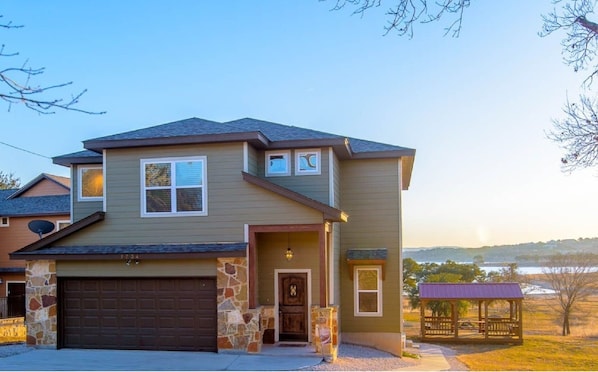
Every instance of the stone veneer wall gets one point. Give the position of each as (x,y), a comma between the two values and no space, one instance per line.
(41,318)
(238,326)
(324,331)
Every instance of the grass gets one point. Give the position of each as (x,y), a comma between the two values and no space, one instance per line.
(543,348)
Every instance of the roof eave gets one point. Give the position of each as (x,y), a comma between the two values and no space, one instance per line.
(66,161)
(256,138)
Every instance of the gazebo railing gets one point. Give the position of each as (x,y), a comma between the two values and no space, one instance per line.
(439,325)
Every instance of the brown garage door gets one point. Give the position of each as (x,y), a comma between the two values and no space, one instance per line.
(147,314)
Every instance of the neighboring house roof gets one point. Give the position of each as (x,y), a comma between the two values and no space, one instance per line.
(33,205)
(63,182)
(469,291)
(261,134)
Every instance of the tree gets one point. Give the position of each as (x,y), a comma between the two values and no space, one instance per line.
(448,272)
(572,276)
(9,181)
(509,274)
(577,131)
(17,85)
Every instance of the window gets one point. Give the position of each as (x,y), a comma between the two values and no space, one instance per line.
(174,187)
(4,221)
(91,183)
(61,224)
(307,162)
(368,291)
(278,163)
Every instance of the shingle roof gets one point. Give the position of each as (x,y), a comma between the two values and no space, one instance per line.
(470,291)
(139,249)
(79,157)
(33,205)
(245,129)
(367,254)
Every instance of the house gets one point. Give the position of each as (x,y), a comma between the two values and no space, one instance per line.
(47,198)
(201,235)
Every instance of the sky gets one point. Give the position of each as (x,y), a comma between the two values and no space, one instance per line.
(476,108)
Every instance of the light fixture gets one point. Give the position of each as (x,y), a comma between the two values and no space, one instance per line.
(0,280)
(289,254)
(128,262)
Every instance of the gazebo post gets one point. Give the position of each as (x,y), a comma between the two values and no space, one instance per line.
(455,317)
(422,318)
(486,320)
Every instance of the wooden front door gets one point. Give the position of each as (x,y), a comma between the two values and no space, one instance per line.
(292,307)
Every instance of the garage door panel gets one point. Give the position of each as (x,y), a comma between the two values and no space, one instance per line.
(139,313)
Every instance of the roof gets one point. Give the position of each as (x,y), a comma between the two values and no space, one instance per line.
(137,251)
(469,291)
(261,134)
(33,205)
(79,157)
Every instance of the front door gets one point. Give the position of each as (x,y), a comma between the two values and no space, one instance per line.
(292,307)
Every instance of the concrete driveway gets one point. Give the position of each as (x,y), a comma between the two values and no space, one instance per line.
(137,360)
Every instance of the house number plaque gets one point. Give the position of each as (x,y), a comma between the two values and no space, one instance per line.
(130,256)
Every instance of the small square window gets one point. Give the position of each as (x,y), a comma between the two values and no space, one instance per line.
(4,221)
(91,183)
(307,162)
(368,291)
(278,163)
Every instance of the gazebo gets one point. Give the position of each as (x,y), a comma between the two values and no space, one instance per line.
(499,326)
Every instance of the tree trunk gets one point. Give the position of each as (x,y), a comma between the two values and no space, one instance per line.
(566,328)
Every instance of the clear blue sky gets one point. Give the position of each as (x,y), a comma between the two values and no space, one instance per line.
(475,108)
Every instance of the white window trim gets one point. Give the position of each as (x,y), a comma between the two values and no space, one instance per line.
(7,224)
(58,222)
(80,196)
(317,171)
(287,157)
(204,187)
(356,311)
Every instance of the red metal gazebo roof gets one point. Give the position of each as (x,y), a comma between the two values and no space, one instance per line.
(469,291)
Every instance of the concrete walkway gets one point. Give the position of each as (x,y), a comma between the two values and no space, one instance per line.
(432,359)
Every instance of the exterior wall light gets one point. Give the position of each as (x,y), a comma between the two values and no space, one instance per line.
(289,254)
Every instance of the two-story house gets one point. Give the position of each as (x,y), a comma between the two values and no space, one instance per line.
(200,235)
(46,197)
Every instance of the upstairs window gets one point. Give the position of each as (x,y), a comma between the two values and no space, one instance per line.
(91,183)
(4,221)
(368,290)
(278,163)
(307,162)
(174,187)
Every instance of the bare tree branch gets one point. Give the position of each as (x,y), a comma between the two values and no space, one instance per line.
(16,87)
(405,13)
(577,134)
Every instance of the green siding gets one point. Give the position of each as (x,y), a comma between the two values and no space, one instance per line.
(231,203)
(157,268)
(312,186)
(370,195)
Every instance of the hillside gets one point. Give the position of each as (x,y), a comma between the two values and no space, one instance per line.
(524,254)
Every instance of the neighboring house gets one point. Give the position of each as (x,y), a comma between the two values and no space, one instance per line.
(199,235)
(44,198)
